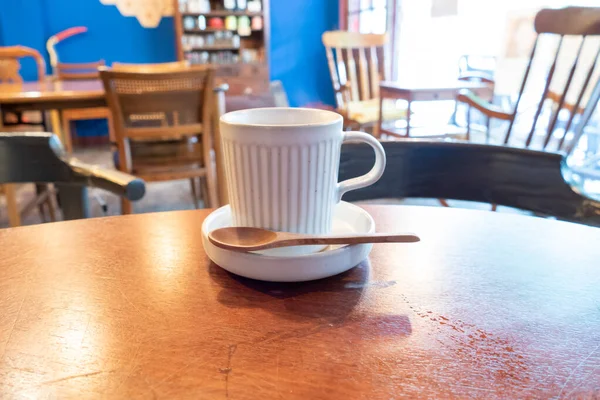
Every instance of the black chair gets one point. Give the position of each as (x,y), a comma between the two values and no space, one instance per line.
(537,181)
(40,157)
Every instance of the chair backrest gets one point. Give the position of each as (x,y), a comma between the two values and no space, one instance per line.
(579,22)
(78,71)
(159,67)
(184,99)
(10,63)
(531,180)
(356,64)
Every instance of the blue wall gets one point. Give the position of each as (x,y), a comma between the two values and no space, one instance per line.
(297,55)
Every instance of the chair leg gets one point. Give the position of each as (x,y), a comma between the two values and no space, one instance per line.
(469,124)
(379,126)
(408,111)
(444,203)
(126,207)
(111,131)
(12,206)
(212,199)
(39,190)
(494,207)
(208,202)
(66,133)
(74,201)
(194,188)
(51,203)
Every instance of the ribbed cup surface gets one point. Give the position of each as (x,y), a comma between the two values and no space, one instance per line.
(283,187)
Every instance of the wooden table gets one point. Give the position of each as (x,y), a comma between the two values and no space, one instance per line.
(52,95)
(487,306)
(413,91)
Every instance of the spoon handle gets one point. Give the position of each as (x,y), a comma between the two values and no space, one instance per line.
(287,239)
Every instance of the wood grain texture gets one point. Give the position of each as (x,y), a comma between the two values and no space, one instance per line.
(133,308)
(531,180)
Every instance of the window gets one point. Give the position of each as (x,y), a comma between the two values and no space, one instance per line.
(364,16)
(372,16)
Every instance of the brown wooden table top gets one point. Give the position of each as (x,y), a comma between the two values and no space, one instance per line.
(487,305)
(54,92)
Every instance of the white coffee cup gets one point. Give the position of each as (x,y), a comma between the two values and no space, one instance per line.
(281,166)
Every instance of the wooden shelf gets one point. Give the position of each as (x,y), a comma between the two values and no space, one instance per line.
(209,30)
(211,48)
(252,64)
(240,75)
(223,13)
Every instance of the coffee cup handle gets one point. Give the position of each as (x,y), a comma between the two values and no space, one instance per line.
(370,177)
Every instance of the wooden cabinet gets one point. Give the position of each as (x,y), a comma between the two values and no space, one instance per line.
(234,40)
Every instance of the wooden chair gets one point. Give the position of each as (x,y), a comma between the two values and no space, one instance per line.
(10,65)
(197,188)
(69,72)
(357,89)
(164,125)
(573,21)
(80,71)
(526,179)
(40,157)
(588,169)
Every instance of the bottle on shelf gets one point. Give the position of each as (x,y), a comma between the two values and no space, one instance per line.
(235,41)
(189,22)
(204,6)
(183,6)
(242,5)
(257,23)
(244,26)
(210,40)
(201,22)
(229,5)
(215,22)
(254,6)
(231,23)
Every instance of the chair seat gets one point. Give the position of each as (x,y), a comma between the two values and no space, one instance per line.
(166,159)
(367,111)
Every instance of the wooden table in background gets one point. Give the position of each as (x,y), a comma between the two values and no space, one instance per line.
(426,92)
(487,305)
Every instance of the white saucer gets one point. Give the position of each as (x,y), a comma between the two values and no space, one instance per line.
(328,262)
